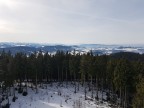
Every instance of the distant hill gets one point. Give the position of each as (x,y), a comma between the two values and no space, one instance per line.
(99,49)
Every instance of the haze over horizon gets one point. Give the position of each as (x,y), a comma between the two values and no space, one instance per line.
(72,22)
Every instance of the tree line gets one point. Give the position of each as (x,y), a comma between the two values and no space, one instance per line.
(120,77)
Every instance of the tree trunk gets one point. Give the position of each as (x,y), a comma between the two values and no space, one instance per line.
(92,86)
(97,97)
(78,81)
(36,83)
(85,88)
(58,74)
(75,81)
(62,76)
(120,97)
(47,78)
(102,89)
(66,79)
(125,98)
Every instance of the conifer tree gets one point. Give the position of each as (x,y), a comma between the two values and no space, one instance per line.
(138,101)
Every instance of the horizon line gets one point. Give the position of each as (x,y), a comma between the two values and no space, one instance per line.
(44,43)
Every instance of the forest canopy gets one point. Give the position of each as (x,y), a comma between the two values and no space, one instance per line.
(120,75)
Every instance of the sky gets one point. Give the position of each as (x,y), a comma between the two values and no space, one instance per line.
(72,21)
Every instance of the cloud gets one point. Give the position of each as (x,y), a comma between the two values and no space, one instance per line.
(5,27)
(69,21)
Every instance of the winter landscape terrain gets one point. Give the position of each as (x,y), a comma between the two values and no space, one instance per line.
(56,95)
(99,49)
(71,76)
(71,54)
(68,80)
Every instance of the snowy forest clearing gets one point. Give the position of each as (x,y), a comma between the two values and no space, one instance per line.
(118,81)
(56,96)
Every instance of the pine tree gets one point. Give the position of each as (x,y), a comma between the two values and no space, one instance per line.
(138,101)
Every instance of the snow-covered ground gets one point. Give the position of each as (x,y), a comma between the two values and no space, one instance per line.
(49,97)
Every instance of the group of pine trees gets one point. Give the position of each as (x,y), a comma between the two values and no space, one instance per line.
(120,77)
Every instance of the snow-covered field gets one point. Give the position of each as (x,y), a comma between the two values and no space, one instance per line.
(56,97)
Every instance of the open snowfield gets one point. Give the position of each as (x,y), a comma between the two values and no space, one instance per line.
(49,97)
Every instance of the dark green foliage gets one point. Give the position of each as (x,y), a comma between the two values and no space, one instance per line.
(128,55)
(138,101)
(119,75)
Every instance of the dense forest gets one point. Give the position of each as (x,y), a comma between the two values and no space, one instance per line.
(120,76)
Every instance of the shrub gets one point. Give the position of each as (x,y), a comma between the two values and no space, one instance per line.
(14,99)
(25,93)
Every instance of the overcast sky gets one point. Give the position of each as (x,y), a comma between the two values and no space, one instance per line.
(72,21)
